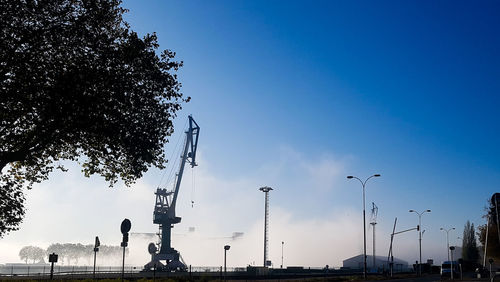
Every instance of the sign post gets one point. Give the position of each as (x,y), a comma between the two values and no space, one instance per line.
(96,249)
(52,260)
(125,228)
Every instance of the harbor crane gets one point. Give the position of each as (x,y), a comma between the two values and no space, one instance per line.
(167,258)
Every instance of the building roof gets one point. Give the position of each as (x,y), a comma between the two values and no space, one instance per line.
(379,259)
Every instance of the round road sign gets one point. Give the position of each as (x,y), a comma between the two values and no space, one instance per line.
(125,227)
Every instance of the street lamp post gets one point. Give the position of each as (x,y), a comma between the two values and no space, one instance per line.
(420,237)
(226,248)
(447,240)
(452,265)
(282,243)
(363,184)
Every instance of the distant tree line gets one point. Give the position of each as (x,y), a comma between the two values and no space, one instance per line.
(69,253)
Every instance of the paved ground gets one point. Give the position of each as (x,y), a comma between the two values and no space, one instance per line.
(437,277)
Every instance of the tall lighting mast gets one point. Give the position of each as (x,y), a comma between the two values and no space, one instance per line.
(266,190)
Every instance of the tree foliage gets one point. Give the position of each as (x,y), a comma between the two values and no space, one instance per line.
(70,253)
(493,250)
(470,251)
(76,83)
(33,253)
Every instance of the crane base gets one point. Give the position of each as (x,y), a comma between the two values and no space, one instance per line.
(172,263)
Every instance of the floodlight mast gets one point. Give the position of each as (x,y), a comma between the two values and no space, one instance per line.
(266,190)
(164,211)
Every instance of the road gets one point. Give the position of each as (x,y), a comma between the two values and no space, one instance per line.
(436,277)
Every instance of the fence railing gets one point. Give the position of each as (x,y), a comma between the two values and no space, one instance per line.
(43,270)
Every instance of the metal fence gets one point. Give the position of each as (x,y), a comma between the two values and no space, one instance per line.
(42,271)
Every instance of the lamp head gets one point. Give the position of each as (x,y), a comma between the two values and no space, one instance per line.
(441,228)
(350,177)
(428,210)
(411,211)
(226,247)
(265,189)
(376,175)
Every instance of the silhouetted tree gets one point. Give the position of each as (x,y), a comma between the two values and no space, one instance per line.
(76,83)
(24,253)
(493,250)
(469,246)
(59,250)
(70,253)
(36,254)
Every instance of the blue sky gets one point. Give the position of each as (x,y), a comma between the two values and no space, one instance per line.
(298,94)
(409,89)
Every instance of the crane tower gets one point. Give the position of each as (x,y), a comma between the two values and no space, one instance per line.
(164,210)
(373,222)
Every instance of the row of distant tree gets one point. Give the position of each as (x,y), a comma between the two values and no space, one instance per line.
(69,253)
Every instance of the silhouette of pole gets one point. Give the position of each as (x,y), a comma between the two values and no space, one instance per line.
(266,190)
(486,239)
(96,249)
(123,264)
(447,240)
(282,243)
(95,254)
(363,184)
(374,262)
(420,237)
(226,248)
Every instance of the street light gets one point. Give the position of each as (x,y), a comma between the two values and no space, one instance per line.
(226,248)
(363,184)
(282,243)
(420,237)
(447,240)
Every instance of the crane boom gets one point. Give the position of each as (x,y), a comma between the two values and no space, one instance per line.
(189,154)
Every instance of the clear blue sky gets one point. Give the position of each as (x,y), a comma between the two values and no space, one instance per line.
(287,91)
(409,88)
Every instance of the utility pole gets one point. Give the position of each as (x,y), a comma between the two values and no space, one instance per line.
(373,223)
(226,248)
(282,243)
(96,249)
(266,190)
